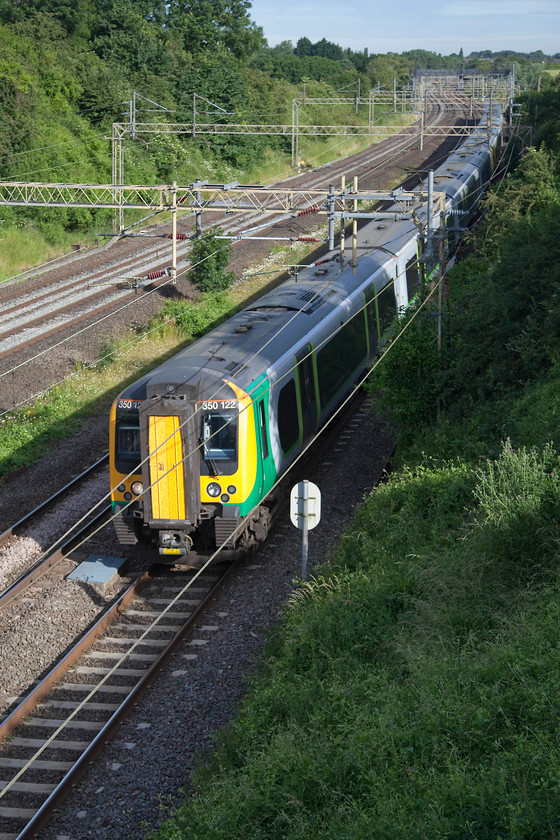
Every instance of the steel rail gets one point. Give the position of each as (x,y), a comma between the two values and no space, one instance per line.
(45,564)
(10,532)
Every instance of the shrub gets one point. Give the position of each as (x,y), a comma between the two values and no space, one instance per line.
(210,258)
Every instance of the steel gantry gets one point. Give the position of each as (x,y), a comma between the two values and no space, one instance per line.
(343,204)
(224,198)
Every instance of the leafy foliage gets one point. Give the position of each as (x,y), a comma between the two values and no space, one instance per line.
(407,686)
(505,294)
(210,257)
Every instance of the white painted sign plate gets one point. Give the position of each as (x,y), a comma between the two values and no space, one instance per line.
(297,504)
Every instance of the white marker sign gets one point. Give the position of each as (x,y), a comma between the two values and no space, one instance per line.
(302,493)
(305,513)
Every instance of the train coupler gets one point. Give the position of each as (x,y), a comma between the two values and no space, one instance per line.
(173,543)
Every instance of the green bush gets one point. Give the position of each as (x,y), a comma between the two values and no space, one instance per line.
(210,257)
(195,319)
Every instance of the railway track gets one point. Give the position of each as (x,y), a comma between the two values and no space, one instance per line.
(68,745)
(64,300)
(48,741)
(20,581)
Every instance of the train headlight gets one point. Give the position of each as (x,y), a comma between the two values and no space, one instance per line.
(213,489)
(231,489)
(137,488)
(224,498)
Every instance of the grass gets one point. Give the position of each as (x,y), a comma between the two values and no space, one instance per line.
(410,689)
(24,248)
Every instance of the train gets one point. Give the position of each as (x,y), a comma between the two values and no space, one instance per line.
(199,444)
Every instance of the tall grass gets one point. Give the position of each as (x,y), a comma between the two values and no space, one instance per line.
(411,690)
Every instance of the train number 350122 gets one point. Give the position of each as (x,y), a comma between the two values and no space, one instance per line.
(218,405)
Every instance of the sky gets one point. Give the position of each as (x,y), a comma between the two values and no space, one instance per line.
(441,27)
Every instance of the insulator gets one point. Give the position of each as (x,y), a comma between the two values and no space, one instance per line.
(153,275)
(308,210)
(307,239)
(178,236)
(321,262)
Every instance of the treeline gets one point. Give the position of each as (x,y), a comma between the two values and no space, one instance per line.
(506,294)
(327,61)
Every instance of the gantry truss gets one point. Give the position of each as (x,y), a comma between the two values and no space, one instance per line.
(344,204)
(122,129)
(197,197)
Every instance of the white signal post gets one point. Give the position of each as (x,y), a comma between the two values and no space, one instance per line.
(305,513)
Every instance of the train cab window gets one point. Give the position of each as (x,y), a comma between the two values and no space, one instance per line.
(219,436)
(288,419)
(127,441)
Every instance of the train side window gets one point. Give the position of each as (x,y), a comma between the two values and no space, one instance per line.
(371,316)
(337,360)
(262,422)
(288,419)
(387,307)
(412,278)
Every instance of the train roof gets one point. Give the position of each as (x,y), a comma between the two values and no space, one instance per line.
(245,346)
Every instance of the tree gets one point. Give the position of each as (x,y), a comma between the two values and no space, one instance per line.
(284,47)
(210,257)
(206,25)
(75,16)
(303,47)
(129,35)
(326,49)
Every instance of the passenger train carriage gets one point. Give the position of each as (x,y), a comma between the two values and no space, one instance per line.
(198,443)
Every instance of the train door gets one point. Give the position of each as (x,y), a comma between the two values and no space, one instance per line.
(264,448)
(266,472)
(170,472)
(307,390)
